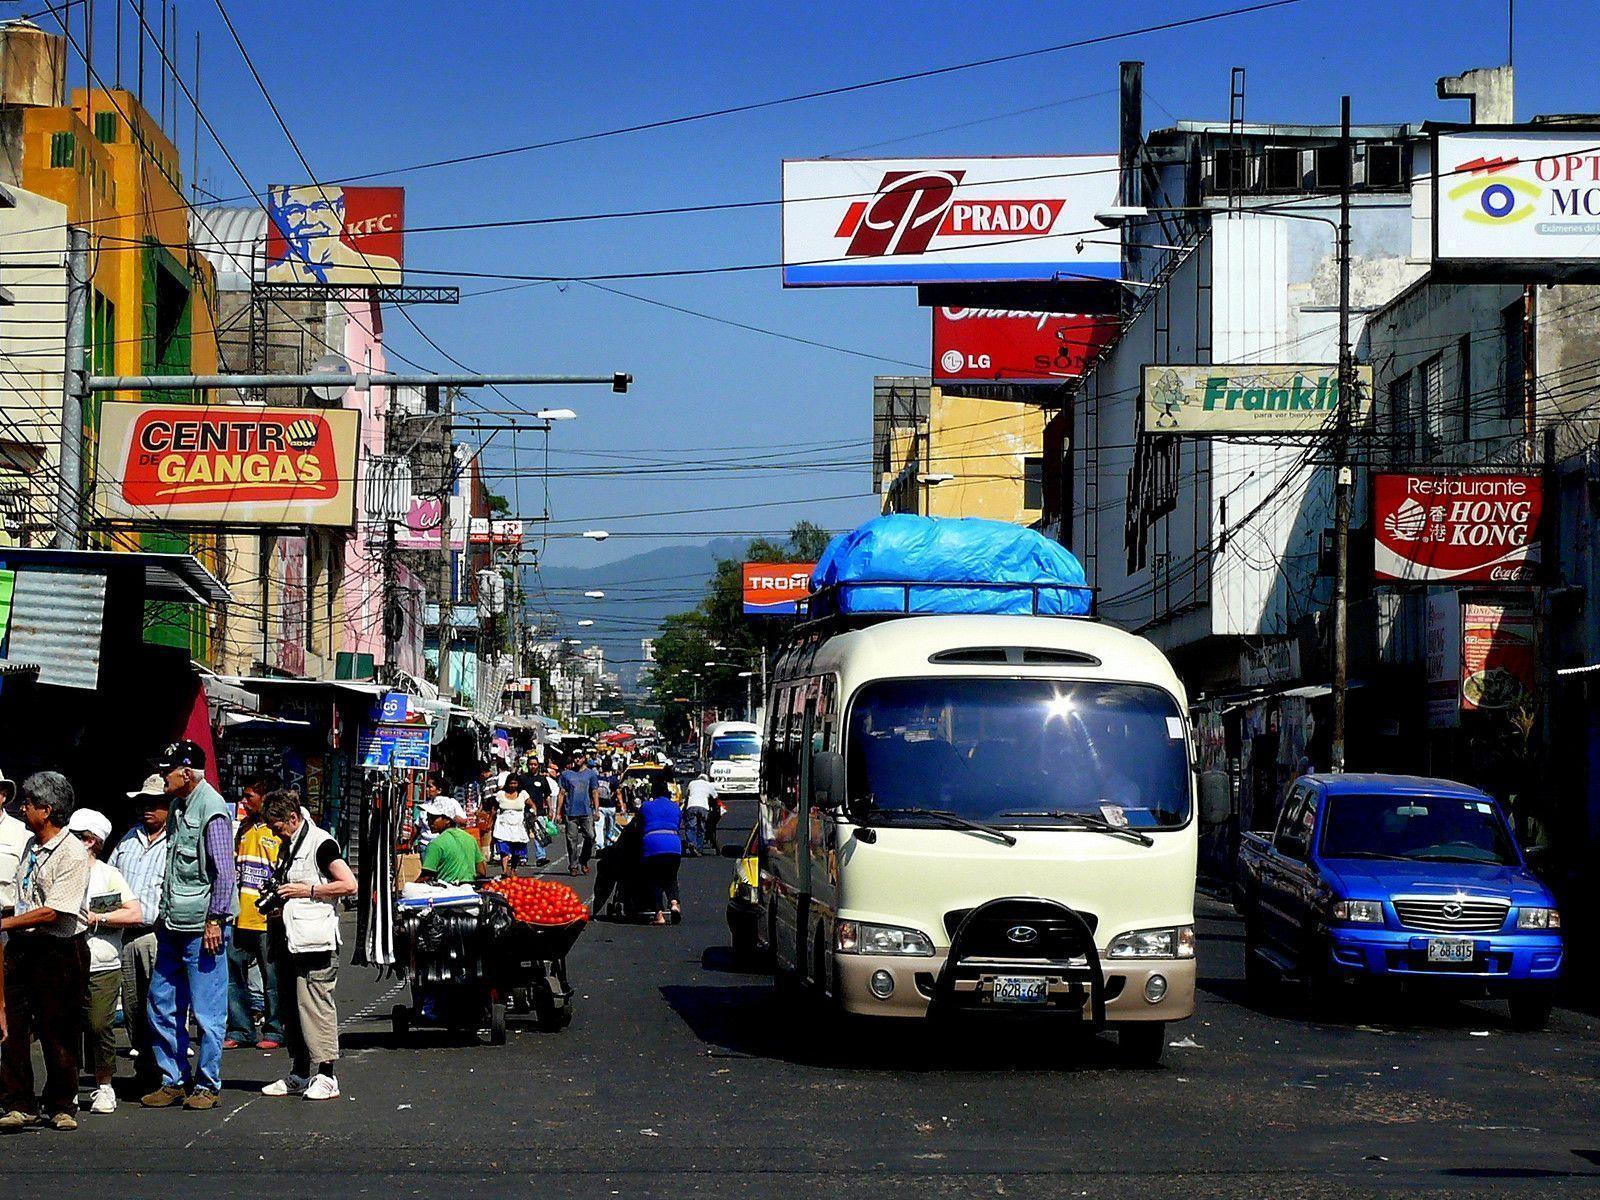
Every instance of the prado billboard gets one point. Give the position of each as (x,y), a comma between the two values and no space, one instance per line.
(1001,346)
(947,220)
(338,236)
(1456,528)
(1517,203)
(227,464)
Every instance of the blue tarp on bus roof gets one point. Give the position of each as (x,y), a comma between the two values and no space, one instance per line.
(1020,570)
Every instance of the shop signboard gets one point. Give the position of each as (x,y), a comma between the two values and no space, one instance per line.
(1270,399)
(1499,666)
(1456,528)
(1442,633)
(227,464)
(423,526)
(947,220)
(397,747)
(335,236)
(1516,203)
(776,589)
(999,345)
(486,531)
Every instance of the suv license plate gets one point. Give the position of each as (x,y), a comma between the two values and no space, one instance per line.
(1020,989)
(1451,950)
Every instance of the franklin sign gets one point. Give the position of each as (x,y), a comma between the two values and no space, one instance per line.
(1272,399)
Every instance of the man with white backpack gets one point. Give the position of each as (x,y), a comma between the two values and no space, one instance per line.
(301,904)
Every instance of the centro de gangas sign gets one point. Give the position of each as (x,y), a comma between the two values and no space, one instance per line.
(1263,398)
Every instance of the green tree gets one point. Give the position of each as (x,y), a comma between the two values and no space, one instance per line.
(718,632)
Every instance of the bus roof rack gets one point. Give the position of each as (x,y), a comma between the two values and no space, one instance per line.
(857,602)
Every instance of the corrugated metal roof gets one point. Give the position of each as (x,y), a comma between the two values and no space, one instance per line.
(178,577)
(57,621)
(232,239)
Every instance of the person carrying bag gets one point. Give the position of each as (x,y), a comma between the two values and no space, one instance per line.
(301,908)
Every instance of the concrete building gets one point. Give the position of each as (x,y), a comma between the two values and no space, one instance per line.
(943,453)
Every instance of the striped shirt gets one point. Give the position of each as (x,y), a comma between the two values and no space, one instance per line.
(143,863)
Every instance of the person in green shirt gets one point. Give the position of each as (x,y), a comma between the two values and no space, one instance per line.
(454,855)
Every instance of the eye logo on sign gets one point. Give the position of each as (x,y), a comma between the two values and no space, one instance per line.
(1500,201)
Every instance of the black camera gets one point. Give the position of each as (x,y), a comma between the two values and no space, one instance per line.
(268,901)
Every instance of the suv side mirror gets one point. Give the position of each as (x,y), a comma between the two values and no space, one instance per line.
(827,779)
(1216,797)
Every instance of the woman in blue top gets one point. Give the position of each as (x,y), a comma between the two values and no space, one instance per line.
(661,850)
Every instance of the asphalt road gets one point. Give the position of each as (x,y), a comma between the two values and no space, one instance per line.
(680,1076)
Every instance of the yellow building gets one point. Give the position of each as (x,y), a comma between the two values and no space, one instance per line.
(152,295)
(943,454)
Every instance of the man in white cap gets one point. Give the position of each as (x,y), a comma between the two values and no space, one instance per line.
(453,856)
(13,838)
(141,857)
(111,908)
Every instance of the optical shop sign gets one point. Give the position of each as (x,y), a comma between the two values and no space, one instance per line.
(1456,528)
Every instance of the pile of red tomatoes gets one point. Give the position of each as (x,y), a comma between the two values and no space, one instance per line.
(540,901)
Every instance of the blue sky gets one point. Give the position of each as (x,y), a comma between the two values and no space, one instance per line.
(372,86)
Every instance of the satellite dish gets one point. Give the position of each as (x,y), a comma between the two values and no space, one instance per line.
(330,364)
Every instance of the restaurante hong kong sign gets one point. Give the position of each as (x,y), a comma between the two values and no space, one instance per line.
(1456,528)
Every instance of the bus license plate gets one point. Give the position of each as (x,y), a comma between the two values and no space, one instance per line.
(1020,989)
(1451,950)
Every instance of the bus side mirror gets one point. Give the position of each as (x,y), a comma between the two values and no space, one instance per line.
(827,779)
(1216,797)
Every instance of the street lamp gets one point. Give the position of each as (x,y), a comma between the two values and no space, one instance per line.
(596,535)
(595,595)
(935,478)
(585,622)
(556,414)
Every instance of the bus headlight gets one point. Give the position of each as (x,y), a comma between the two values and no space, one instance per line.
(1176,942)
(860,937)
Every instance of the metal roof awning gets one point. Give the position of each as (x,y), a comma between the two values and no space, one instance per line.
(251,681)
(178,577)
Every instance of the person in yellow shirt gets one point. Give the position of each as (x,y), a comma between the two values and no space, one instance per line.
(256,850)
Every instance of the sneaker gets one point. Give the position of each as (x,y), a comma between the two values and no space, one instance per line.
(104,1100)
(268,1044)
(323,1087)
(289,1085)
(201,1099)
(16,1120)
(164,1096)
(63,1122)
(232,1043)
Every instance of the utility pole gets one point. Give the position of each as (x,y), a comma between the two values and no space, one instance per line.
(74,388)
(446,593)
(1343,478)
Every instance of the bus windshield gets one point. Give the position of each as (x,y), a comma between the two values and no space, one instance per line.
(1020,752)
(732,746)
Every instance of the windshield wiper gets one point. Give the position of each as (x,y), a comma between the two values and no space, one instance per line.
(950,818)
(1367,854)
(1455,858)
(1087,821)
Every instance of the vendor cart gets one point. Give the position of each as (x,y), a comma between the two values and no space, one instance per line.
(468,961)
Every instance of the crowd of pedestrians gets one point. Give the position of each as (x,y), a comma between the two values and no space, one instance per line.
(176,923)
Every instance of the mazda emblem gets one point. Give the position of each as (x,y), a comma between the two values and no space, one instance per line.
(1022,934)
(1452,911)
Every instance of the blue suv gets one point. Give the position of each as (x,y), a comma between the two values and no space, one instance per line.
(1394,877)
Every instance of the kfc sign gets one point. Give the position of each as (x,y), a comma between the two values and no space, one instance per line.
(339,236)
(937,220)
(776,589)
(1456,528)
(997,345)
(229,464)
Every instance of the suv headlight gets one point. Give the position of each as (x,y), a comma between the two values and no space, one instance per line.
(860,937)
(1177,942)
(1359,912)
(1538,918)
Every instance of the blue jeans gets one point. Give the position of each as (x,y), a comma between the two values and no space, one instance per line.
(188,981)
(246,946)
(694,828)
